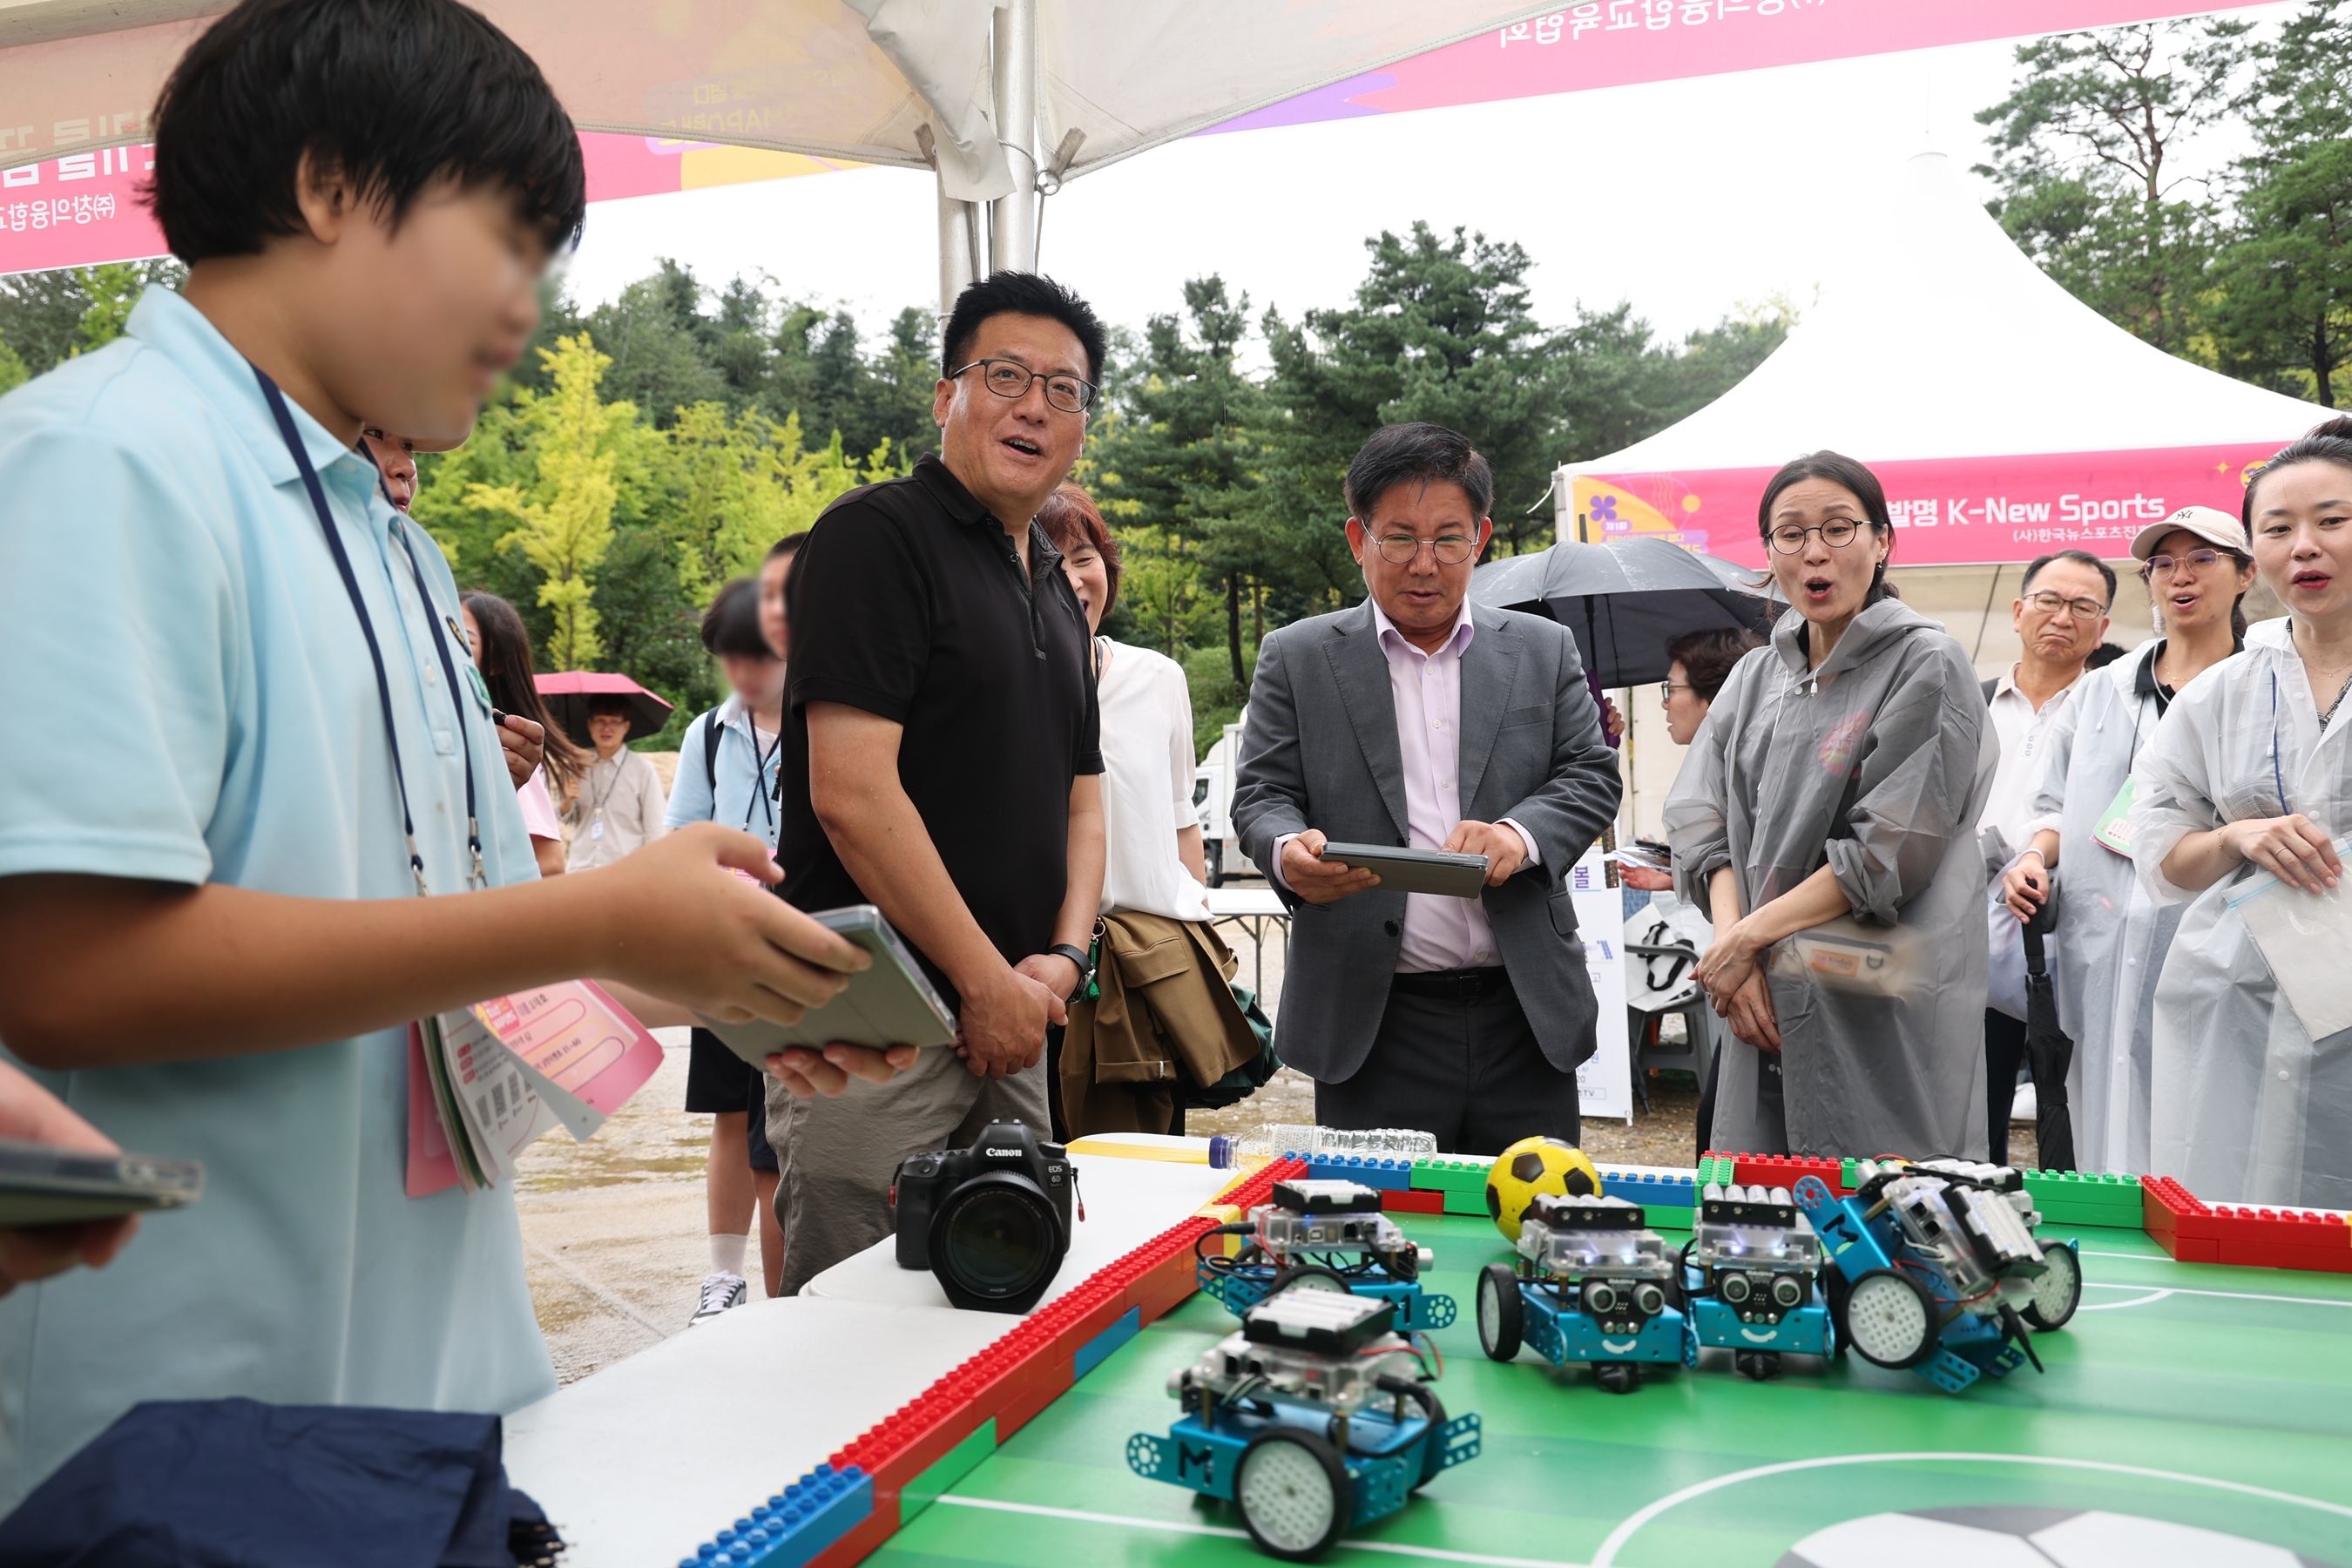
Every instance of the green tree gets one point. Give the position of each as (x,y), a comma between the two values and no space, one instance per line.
(2282,312)
(13,374)
(1183,462)
(566,517)
(1441,330)
(2087,149)
(48,317)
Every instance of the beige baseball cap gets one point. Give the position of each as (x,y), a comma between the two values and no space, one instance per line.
(2218,529)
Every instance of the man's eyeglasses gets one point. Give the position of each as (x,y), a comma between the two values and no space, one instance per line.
(1451,549)
(1008,379)
(2050,604)
(1837,533)
(2195,560)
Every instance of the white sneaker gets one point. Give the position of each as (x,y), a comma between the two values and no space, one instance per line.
(719,1291)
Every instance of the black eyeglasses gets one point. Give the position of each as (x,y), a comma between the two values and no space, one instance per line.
(1007,378)
(1837,533)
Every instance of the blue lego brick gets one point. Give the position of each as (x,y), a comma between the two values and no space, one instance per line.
(1097,1351)
(1389,1175)
(789,1528)
(1646,1188)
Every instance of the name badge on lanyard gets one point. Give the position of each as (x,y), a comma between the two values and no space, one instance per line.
(2113,830)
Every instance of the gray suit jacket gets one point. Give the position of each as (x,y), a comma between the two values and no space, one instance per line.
(1320,750)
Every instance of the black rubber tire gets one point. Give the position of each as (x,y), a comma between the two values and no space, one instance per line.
(2057,1292)
(1877,1291)
(1312,1463)
(1307,1276)
(1616,1376)
(1500,1314)
(1835,1290)
(1433,1448)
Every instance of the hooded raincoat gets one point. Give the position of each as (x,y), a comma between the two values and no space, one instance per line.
(2245,1107)
(2112,934)
(1877,765)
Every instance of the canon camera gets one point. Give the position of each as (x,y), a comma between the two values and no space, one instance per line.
(993,1221)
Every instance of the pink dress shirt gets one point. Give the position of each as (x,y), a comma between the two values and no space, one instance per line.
(1426,689)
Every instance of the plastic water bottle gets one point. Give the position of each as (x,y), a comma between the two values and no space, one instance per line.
(1275,1139)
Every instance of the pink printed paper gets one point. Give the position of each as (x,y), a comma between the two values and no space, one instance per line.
(431,1164)
(578,1039)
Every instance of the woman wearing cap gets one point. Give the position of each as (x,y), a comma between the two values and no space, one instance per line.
(2197,571)
(1825,819)
(2251,772)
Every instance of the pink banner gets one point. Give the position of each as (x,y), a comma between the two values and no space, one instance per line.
(1948,512)
(83,208)
(1616,43)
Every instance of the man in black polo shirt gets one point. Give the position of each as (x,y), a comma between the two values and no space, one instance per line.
(942,758)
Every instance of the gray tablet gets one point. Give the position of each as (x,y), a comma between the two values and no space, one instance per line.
(1415,870)
(43,1185)
(891,1004)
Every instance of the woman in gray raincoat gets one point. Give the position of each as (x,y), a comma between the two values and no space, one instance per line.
(2250,773)
(1825,819)
(2112,935)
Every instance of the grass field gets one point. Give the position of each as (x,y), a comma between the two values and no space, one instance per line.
(2189,1395)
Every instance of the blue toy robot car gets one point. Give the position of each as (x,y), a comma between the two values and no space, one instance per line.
(1750,1277)
(1324,1235)
(1315,1416)
(1937,1268)
(1592,1284)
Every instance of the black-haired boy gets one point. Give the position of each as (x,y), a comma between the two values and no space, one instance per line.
(248,737)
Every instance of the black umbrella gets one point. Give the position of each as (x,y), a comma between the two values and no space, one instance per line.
(1625,600)
(2048,1051)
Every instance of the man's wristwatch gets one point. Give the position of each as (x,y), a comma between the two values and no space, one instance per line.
(1076,955)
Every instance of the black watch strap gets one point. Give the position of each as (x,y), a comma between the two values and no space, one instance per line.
(1076,955)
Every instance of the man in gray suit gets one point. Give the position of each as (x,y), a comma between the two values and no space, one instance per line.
(1417,719)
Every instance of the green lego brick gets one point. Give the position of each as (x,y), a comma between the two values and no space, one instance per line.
(1845,1174)
(1461,1201)
(1452,1175)
(1666,1217)
(946,1470)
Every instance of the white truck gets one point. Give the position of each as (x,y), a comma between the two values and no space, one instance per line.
(1213,793)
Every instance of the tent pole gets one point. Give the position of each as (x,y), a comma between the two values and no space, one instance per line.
(958,244)
(1013,229)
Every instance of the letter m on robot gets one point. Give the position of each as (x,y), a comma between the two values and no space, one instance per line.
(1203,1459)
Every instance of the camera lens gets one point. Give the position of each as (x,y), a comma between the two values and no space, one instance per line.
(996,1243)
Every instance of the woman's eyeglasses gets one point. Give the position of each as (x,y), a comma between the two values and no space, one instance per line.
(1837,533)
(2195,560)
(1667,689)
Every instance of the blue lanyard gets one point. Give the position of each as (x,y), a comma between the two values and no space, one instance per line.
(479,878)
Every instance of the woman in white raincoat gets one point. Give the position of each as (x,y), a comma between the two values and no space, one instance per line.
(2112,935)
(2251,772)
(1825,819)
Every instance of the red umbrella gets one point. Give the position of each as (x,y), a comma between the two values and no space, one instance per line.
(567,694)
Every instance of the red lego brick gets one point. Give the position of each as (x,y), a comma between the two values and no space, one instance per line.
(2285,1228)
(1785,1170)
(2256,1254)
(864,1538)
(2196,1249)
(1419,1201)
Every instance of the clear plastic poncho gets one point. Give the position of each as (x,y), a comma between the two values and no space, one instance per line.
(1876,765)
(2112,936)
(2245,1107)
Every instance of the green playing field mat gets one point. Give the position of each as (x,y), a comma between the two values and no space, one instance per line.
(2183,1398)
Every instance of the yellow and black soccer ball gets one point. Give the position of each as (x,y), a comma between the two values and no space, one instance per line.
(1535,1165)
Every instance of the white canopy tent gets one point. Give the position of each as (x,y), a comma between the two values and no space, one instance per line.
(1973,384)
(1005,98)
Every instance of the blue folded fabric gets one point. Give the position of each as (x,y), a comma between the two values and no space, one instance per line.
(233,1482)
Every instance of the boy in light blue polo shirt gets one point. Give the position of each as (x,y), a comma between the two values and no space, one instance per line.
(246,738)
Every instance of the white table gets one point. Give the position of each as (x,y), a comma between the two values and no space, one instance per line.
(641,1462)
(1251,908)
(1127,1202)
